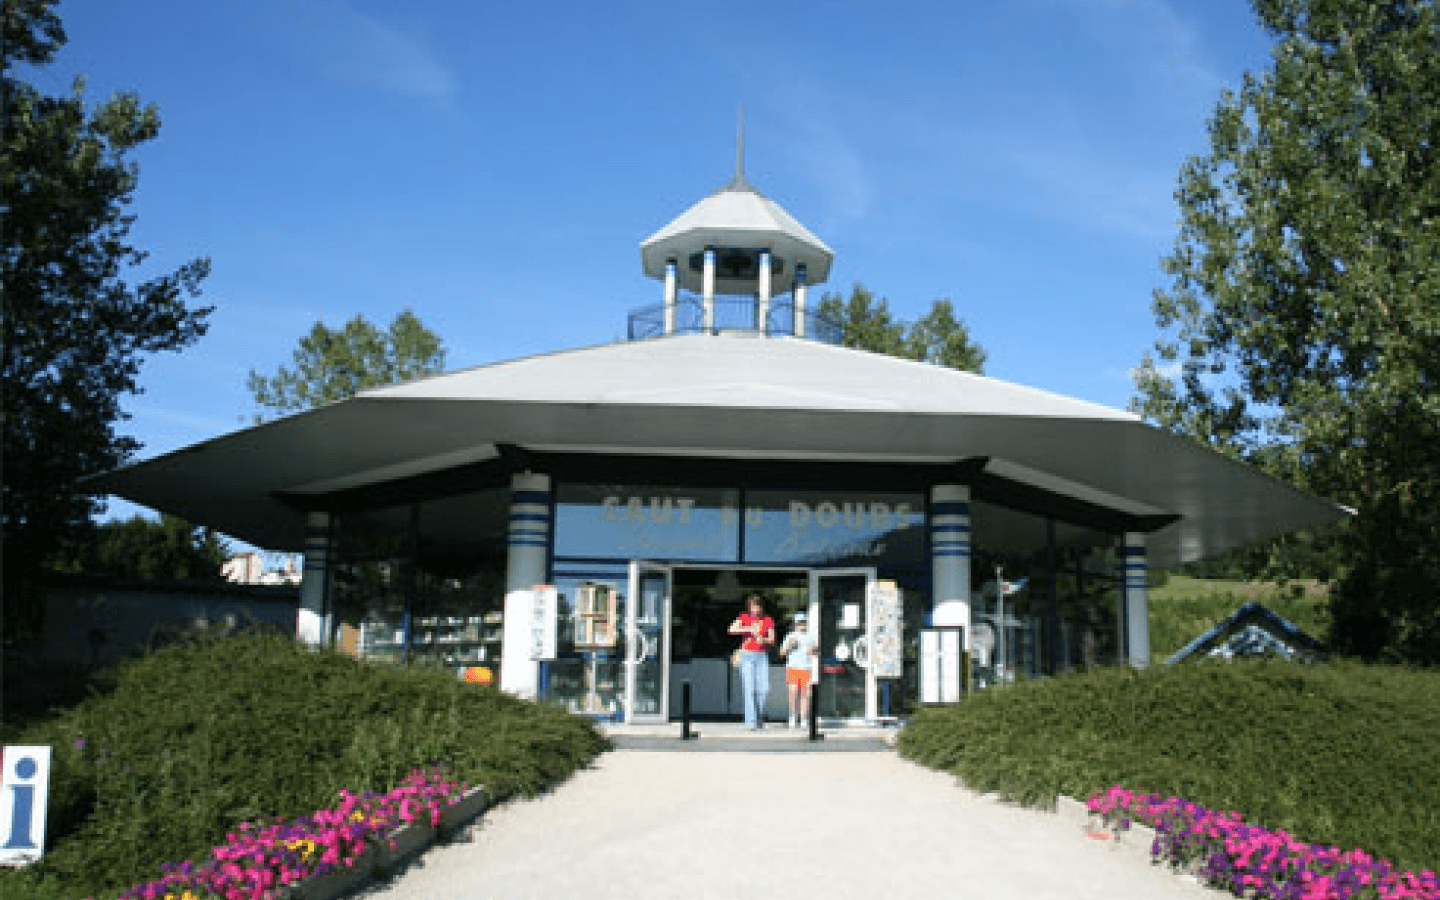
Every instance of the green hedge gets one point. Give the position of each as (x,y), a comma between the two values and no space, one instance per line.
(1340,754)
(195,740)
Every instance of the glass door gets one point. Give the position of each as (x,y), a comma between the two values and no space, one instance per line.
(647,644)
(839,607)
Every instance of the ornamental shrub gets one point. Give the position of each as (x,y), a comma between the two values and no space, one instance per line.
(1339,754)
(194,740)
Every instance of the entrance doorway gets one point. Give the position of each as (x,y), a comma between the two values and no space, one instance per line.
(699,603)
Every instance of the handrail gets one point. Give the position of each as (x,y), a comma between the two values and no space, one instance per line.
(732,313)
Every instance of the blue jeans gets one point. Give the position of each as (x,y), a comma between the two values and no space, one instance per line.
(754,684)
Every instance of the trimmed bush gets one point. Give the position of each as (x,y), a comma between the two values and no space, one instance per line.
(195,740)
(1340,754)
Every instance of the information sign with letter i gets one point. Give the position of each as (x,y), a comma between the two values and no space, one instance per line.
(26,788)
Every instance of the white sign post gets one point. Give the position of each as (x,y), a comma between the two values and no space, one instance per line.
(543,614)
(529,637)
(941,650)
(26,794)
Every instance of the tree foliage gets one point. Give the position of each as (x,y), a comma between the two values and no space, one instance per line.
(937,337)
(141,549)
(1303,323)
(75,331)
(330,365)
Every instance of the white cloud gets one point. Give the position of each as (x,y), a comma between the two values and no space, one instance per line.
(1078,186)
(354,46)
(1160,42)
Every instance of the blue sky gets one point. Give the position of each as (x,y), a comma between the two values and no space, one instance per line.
(494,166)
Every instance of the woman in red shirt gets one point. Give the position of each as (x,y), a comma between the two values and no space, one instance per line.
(759,631)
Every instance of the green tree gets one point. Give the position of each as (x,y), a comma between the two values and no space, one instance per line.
(1303,323)
(142,549)
(937,337)
(75,332)
(331,364)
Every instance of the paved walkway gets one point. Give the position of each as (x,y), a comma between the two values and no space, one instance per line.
(644,824)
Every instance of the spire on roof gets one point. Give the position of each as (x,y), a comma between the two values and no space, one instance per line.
(739,182)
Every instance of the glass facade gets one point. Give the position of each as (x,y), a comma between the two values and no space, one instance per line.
(726,543)
(830,528)
(424,583)
(628,522)
(1045,597)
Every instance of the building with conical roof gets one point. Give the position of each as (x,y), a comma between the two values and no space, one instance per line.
(585,525)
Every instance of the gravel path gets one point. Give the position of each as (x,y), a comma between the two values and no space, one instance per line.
(839,826)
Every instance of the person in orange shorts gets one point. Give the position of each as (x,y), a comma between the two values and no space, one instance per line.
(799,649)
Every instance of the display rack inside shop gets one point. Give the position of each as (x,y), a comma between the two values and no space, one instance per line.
(450,640)
(597,609)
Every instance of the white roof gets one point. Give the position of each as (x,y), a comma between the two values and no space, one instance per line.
(737,215)
(745,371)
(729,397)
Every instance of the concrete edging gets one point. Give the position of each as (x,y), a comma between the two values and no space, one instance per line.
(1137,840)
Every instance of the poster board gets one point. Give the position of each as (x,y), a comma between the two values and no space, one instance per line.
(887,648)
(529,636)
(941,653)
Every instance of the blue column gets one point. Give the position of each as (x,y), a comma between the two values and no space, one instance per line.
(1135,582)
(313,621)
(527,565)
(950,556)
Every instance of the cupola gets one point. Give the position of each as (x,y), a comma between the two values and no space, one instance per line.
(739,261)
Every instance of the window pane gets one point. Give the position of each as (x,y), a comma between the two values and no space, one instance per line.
(638,522)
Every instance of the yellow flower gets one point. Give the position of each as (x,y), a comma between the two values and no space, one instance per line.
(305,845)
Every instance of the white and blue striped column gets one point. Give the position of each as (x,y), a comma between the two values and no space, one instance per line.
(526,565)
(529,536)
(763,326)
(1135,583)
(950,556)
(312,619)
(672,290)
(801,274)
(708,289)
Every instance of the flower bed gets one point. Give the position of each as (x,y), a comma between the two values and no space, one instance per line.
(1254,862)
(264,861)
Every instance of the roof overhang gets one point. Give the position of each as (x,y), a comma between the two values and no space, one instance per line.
(700,407)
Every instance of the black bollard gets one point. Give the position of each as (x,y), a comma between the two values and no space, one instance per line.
(815,734)
(685,734)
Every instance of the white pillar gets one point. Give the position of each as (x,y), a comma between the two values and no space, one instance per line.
(709,289)
(763,326)
(950,556)
(1135,584)
(527,565)
(671,281)
(312,619)
(800,289)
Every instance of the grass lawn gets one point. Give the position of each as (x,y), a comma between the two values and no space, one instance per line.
(1184,608)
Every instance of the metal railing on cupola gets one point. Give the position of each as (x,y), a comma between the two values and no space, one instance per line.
(733,313)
